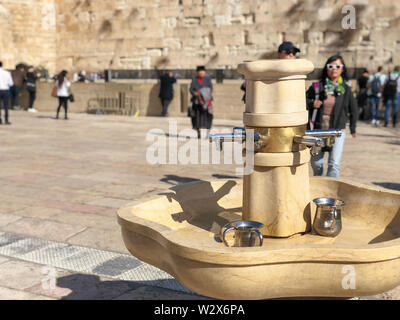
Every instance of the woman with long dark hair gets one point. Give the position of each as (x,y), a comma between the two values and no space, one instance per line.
(330,103)
(63,86)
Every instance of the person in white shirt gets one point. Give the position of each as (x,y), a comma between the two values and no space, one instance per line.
(63,87)
(6,83)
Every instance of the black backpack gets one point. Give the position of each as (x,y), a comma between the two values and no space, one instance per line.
(391,87)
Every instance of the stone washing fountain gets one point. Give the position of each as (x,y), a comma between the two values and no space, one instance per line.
(178,233)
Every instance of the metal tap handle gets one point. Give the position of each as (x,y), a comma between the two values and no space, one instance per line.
(260,236)
(329,136)
(219,138)
(224,232)
(335,214)
(313,142)
(321,133)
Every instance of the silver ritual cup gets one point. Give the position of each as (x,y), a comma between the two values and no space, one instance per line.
(328,217)
(246,233)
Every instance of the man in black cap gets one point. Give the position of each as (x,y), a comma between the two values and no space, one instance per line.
(287,50)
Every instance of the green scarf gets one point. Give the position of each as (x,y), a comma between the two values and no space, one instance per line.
(331,87)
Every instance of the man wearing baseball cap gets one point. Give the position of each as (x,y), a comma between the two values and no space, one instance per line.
(287,50)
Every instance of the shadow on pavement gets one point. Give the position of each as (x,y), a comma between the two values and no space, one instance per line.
(91,287)
(388,185)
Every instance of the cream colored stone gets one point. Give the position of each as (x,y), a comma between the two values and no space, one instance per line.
(278,197)
(177,234)
(275,119)
(282,159)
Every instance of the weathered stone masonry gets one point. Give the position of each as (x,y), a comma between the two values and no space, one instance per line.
(143,34)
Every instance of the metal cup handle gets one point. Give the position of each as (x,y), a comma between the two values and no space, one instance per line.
(335,214)
(226,230)
(260,236)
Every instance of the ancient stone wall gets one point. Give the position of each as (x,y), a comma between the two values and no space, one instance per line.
(143,34)
(98,34)
(28,33)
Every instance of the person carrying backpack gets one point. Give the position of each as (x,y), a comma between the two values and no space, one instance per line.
(374,85)
(391,93)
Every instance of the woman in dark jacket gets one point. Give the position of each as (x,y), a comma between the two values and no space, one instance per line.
(330,102)
(201,111)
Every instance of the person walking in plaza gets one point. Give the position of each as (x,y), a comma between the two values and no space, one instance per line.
(6,83)
(31,78)
(63,87)
(201,111)
(166,91)
(391,93)
(18,76)
(334,105)
(374,85)
(362,96)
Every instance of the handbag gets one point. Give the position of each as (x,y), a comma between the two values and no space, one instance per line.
(71,97)
(54,92)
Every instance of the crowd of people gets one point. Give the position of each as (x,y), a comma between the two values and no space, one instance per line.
(12,84)
(330,100)
(376,88)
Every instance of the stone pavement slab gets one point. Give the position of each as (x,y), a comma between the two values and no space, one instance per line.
(13,294)
(44,229)
(105,239)
(86,219)
(7,218)
(20,274)
(3,259)
(38,212)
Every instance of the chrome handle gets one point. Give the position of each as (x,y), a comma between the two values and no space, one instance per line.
(334,218)
(219,138)
(308,141)
(223,234)
(314,142)
(329,136)
(260,236)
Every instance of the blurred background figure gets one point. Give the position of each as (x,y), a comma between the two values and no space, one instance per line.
(374,85)
(362,96)
(287,50)
(6,83)
(166,91)
(391,92)
(63,92)
(18,76)
(82,76)
(243,88)
(31,78)
(201,111)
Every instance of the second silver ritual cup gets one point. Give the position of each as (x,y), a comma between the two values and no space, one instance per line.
(246,233)
(328,219)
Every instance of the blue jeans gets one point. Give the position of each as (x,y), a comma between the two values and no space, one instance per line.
(335,155)
(374,100)
(395,103)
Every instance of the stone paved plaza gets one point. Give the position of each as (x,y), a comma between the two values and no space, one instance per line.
(61,183)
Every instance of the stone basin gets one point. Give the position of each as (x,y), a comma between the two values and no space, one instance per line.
(178,233)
